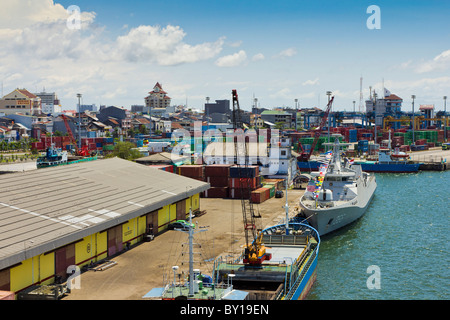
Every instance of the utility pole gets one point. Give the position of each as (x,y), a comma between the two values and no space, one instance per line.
(414,119)
(445,118)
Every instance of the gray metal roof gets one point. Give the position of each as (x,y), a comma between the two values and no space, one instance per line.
(44,209)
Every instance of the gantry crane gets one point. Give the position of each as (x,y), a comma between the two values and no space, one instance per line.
(254,252)
(304,156)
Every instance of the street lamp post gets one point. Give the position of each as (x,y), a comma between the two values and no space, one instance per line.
(79,120)
(414,119)
(296,113)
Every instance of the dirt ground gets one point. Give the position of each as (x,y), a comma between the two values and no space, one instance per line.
(148,264)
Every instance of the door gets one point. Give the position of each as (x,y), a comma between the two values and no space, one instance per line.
(64,257)
(181,210)
(114,240)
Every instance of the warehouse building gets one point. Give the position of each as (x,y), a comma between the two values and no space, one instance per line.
(79,214)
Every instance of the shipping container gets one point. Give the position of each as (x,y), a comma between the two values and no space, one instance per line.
(238,193)
(217,170)
(192,171)
(216,193)
(252,183)
(259,195)
(217,181)
(248,171)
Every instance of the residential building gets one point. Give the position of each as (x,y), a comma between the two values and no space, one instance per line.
(22,101)
(157,98)
(221,106)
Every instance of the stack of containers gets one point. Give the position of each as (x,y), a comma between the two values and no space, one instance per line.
(196,172)
(242,188)
(217,176)
(108,144)
(363,146)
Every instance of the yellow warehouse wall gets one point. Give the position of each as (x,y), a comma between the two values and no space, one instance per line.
(129,231)
(173,212)
(141,224)
(85,251)
(163,218)
(47,267)
(102,245)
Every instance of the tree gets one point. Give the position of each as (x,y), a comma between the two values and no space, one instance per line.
(125,150)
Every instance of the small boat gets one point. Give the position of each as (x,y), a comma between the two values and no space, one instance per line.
(53,157)
(338,195)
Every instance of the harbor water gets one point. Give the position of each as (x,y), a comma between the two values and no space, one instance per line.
(400,248)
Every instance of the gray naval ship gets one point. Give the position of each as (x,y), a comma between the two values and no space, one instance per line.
(338,194)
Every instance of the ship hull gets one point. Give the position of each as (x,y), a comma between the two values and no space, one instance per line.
(390,167)
(367,167)
(328,220)
(307,282)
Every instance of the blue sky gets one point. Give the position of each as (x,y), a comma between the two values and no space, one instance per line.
(274,51)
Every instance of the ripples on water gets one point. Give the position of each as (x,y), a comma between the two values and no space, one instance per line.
(405,232)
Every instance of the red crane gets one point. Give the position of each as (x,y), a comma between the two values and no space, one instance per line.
(254,252)
(84,151)
(304,156)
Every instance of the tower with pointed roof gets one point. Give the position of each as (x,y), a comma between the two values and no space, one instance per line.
(157,98)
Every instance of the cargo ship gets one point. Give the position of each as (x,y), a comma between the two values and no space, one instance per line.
(289,271)
(389,162)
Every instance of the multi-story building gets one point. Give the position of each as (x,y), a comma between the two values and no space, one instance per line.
(22,101)
(221,106)
(157,98)
(388,105)
(276,116)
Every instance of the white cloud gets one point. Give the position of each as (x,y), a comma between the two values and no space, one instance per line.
(258,57)
(441,62)
(232,60)
(287,53)
(311,82)
(164,46)
(17,14)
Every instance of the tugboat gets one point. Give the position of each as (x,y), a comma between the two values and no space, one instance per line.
(53,157)
(338,194)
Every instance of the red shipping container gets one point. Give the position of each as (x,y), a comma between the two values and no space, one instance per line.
(237,193)
(243,183)
(259,195)
(218,182)
(217,170)
(216,193)
(192,171)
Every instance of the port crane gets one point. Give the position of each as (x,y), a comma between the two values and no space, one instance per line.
(84,152)
(304,156)
(254,251)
